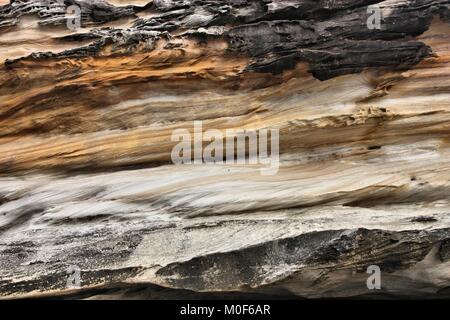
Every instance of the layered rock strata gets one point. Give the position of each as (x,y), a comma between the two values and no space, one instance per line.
(88,105)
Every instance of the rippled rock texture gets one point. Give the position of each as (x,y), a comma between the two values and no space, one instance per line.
(91,92)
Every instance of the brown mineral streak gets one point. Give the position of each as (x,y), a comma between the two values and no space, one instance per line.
(87,117)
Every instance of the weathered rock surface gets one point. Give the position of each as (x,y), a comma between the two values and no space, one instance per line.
(86,177)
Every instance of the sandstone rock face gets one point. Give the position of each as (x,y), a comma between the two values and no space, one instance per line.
(92,91)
